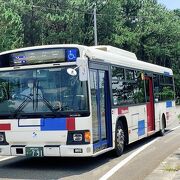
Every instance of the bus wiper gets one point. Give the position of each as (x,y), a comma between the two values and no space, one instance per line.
(22,105)
(46,102)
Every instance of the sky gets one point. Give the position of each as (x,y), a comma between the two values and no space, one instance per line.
(170,4)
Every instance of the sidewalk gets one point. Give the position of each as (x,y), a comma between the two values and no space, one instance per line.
(169,169)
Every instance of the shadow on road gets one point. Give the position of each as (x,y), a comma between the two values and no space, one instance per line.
(59,167)
(49,167)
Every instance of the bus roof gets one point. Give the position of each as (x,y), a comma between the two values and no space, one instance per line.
(42,47)
(124,58)
(108,54)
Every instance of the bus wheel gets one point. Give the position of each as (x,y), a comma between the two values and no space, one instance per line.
(162,131)
(119,139)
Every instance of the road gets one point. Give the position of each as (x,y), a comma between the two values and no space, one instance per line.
(138,167)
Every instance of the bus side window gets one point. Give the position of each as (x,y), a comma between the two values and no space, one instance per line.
(166,88)
(138,86)
(156,88)
(118,77)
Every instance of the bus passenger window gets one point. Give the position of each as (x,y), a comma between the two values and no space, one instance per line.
(156,88)
(129,74)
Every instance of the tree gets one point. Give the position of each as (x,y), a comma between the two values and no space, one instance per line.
(141,26)
(11,31)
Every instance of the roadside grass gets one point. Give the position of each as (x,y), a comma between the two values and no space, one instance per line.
(178,112)
(179,117)
(169,168)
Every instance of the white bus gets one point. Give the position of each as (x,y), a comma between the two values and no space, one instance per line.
(79,101)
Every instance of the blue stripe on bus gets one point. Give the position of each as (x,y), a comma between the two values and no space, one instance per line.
(53,124)
(168,104)
(102,144)
(166,73)
(141,127)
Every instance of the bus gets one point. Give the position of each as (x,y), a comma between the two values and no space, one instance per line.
(80,101)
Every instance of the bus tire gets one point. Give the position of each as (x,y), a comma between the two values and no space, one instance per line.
(119,139)
(162,130)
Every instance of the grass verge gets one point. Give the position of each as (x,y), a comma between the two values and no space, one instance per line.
(171,169)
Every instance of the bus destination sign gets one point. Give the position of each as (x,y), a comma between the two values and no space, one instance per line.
(44,56)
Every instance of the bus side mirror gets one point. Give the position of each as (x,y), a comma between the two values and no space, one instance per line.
(82,63)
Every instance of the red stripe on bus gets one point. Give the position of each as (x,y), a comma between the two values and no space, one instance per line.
(123,110)
(5,127)
(70,124)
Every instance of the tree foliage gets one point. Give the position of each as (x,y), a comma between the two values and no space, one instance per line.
(141,26)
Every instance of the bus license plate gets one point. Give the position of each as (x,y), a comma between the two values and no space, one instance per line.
(34,151)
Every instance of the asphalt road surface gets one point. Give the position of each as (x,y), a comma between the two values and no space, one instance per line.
(136,163)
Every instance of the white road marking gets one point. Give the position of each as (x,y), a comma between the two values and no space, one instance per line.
(175,128)
(125,161)
(122,163)
(6,158)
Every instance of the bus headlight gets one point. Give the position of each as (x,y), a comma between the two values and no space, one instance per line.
(2,137)
(78,137)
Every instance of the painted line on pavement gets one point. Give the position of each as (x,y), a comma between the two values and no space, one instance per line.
(122,163)
(4,159)
(175,128)
(125,161)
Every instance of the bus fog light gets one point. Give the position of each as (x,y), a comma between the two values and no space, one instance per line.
(1,137)
(88,149)
(77,137)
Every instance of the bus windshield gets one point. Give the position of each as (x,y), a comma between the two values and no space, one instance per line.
(39,92)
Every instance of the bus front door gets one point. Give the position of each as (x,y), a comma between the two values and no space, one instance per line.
(101,109)
(150,105)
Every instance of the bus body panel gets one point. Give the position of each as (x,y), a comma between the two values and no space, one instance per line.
(31,133)
(63,150)
(136,117)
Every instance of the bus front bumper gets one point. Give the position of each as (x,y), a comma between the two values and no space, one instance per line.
(47,150)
